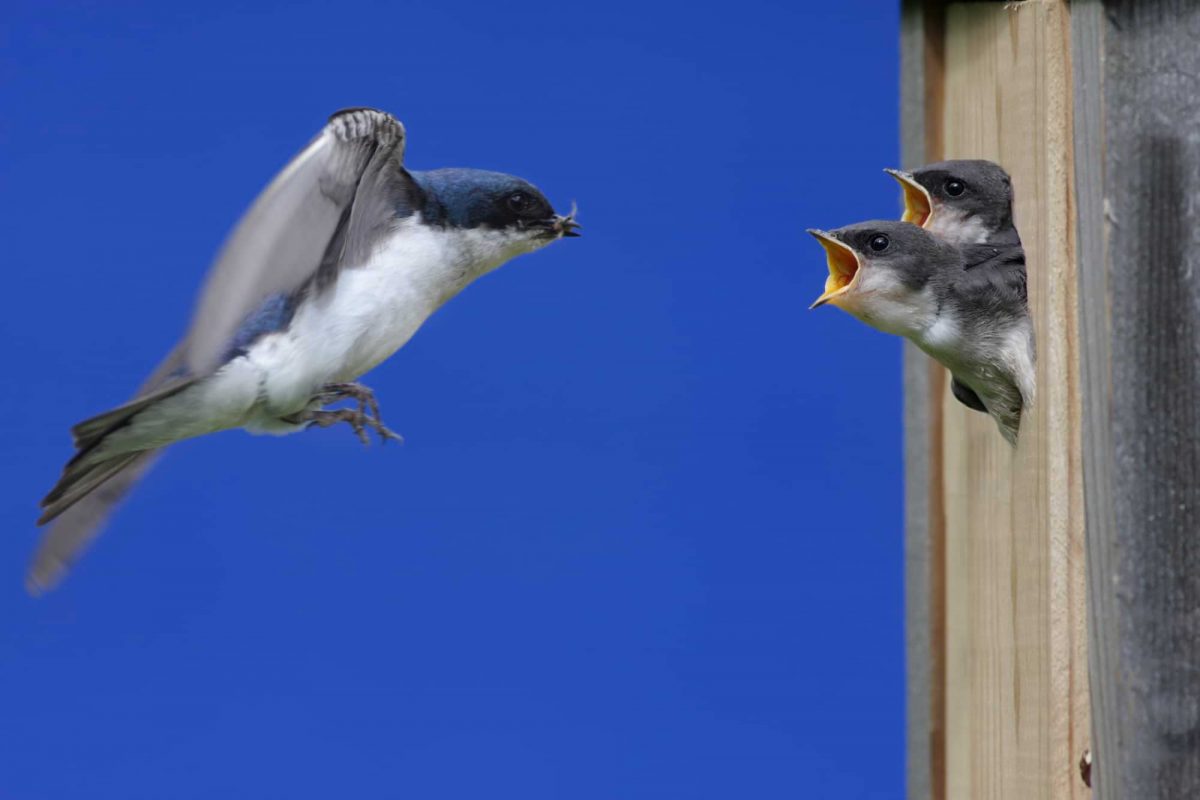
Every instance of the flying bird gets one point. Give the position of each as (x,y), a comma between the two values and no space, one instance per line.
(903,280)
(968,202)
(334,267)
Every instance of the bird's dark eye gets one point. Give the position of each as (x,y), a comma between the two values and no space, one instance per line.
(955,187)
(879,243)
(519,202)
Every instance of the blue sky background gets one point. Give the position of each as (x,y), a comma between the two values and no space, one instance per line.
(644,540)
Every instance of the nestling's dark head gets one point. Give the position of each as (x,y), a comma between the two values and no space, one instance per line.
(964,201)
(878,271)
(475,198)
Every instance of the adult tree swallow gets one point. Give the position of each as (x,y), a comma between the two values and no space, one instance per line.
(903,280)
(968,202)
(334,267)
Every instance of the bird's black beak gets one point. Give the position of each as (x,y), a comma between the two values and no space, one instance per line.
(918,205)
(843,265)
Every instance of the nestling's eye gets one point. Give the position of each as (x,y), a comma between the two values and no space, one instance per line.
(879,243)
(519,202)
(955,187)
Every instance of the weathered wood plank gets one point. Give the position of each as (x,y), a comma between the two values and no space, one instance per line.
(924,537)
(1146,570)
(1087,41)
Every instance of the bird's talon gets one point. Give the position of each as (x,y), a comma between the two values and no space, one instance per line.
(386,435)
(366,415)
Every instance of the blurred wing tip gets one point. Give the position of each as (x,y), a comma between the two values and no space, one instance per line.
(44,575)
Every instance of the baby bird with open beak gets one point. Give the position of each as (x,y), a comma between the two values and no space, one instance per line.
(904,280)
(969,202)
(965,202)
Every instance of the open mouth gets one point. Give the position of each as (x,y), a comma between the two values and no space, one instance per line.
(843,267)
(918,206)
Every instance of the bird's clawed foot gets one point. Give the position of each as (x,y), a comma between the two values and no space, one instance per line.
(360,419)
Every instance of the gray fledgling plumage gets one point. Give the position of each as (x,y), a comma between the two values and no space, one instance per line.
(965,201)
(966,312)
(968,202)
(334,267)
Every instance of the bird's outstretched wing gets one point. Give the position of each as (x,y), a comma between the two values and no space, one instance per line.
(81,523)
(322,213)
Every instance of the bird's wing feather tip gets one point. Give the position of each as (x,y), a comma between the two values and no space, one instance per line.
(42,579)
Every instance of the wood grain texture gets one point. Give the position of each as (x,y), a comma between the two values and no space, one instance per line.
(1016,672)
(1146,575)
(1087,42)
(924,531)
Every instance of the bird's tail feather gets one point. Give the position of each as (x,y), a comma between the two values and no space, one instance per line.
(91,432)
(90,488)
(81,513)
(78,480)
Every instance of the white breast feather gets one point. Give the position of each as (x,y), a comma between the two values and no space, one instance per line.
(955,226)
(1019,355)
(369,313)
(374,309)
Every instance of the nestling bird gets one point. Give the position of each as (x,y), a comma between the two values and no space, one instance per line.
(334,267)
(903,280)
(968,202)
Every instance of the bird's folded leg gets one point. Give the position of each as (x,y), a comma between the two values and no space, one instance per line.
(324,419)
(357,419)
(333,392)
(365,416)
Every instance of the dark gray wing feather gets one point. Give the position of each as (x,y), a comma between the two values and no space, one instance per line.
(323,212)
(966,395)
(996,271)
